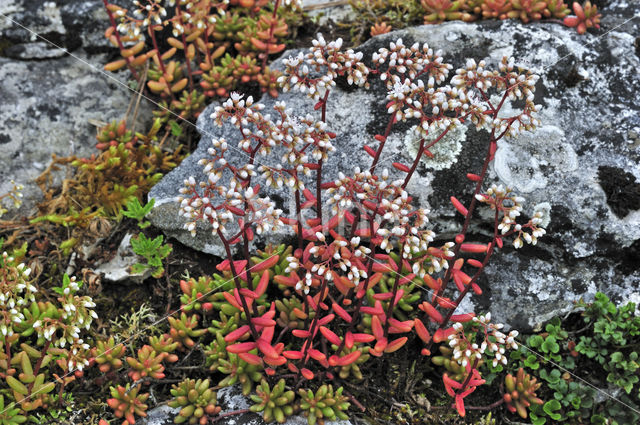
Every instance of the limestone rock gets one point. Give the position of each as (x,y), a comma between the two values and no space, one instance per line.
(47,97)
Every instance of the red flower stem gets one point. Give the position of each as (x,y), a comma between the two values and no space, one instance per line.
(355,401)
(236,280)
(356,311)
(323,118)
(118,40)
(184,44)
(468,378)
(299,217)
(60,393)
(281,334)
(245,252)
(467,219)
(38,365)
(393,298)
(152,33)
(458,300)
(379,151)
(314,324)
(356,222)
(271,29)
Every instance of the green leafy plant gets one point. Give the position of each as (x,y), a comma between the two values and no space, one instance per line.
(138,212)
(153,250)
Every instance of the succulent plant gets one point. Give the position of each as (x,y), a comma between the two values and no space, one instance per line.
(527,10)
(113,134)
(165,345)
(557,9)
(443,10)
(183,330)
(107,354)
(379,28)
(127,403)
(197,400)
(586,16)
(10,415)
(520,392)
(495,8)
(274,403)
(148,363)
(239,371)
(325,404)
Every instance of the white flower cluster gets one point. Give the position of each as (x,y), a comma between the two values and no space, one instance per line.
(412,61)
(300,139)
(15,292)
(219,204)
(340,254)
(259,212)
(327,60)
(151,12)
(77,313)
(466,351)
(510,205)
(401,224)
(516,84)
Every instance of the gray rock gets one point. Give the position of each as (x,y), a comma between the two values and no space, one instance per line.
(71,24)
(230,399)
(584,160)
(46,107)
(47,98)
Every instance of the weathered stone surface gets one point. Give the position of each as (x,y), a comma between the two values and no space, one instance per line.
(230,399)
(71,24)
(591,120)
(47,97)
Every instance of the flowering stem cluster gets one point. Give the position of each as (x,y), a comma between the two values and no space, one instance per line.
(337,313)
(41,344)
(196,60)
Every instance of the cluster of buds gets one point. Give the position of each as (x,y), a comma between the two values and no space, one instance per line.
(510,206)
(516,83)
(466,348)
(300,72)
(16,292)
(234,199)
